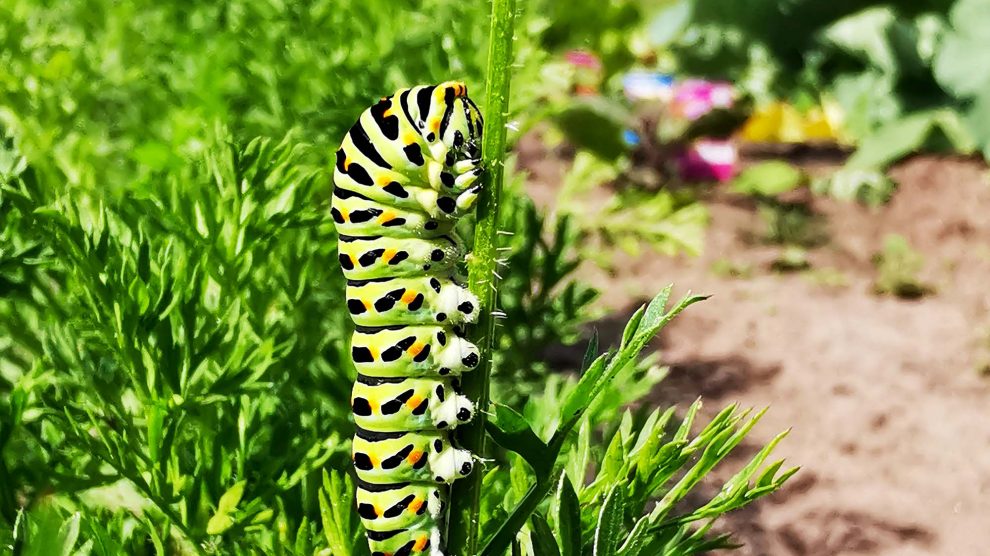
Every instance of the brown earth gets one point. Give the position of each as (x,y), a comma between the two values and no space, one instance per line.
(887,405)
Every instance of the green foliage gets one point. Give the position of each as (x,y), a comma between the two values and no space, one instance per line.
(961,65)
(868,186)
(727,268)
(135,86)
(792,258)
(600,28)
(341,525)
(898,268)
(216,341)
(669,222)
(596,124)
(768,179)
(641,462)
(179,352)
(909,134)
(908,75)
(483,279)
(791,223)
(537,263)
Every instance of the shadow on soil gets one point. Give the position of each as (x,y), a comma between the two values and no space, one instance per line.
(713,379)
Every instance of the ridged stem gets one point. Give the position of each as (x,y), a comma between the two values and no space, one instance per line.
(464,516)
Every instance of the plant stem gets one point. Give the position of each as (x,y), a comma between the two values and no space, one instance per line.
(464,516)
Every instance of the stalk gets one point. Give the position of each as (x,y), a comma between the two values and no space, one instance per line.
(464,516)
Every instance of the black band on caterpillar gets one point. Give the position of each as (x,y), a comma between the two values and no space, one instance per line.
(377,436)
(403,175)
(359,283)
(376,329)
(376,380)
(348,239)
(372,487)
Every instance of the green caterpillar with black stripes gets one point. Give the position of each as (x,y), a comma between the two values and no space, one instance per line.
(405,173)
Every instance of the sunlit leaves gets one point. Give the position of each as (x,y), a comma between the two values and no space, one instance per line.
(642,463)
(189,352)
(223,518)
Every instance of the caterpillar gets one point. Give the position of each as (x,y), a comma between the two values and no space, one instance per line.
(404,174)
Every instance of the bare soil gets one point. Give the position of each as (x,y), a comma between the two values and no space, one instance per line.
(885,397)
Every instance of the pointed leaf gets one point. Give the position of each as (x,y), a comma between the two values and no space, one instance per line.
(544,542)
(608,532)
(568,518)
(511,431)
(230,499)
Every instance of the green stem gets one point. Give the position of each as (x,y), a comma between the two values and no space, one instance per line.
(463,519)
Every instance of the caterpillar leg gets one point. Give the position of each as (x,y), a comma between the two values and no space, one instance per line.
(453,205)
(466,200)
(465,166)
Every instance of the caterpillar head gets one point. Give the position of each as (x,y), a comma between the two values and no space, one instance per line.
(462,135)
(449,121)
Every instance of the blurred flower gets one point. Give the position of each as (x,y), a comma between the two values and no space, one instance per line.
(696,97)
(583,59)
(708,160)
(630,138)
(588,71)
(782,122)
(648,85)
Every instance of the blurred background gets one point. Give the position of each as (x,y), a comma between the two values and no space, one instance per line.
(819,167)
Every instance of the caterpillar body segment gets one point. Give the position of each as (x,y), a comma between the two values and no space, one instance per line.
(412,351)
(453,197)
(368,258)
(402,518)
(428,456)
(356,215)
(397,405)
(410,300)
(404,174)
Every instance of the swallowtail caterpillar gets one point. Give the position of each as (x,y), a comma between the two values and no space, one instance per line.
(405,173)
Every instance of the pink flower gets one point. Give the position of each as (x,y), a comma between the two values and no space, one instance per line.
(708,160)
(583,59)
(696,97)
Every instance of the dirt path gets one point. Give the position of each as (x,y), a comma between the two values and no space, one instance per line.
(888,410)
